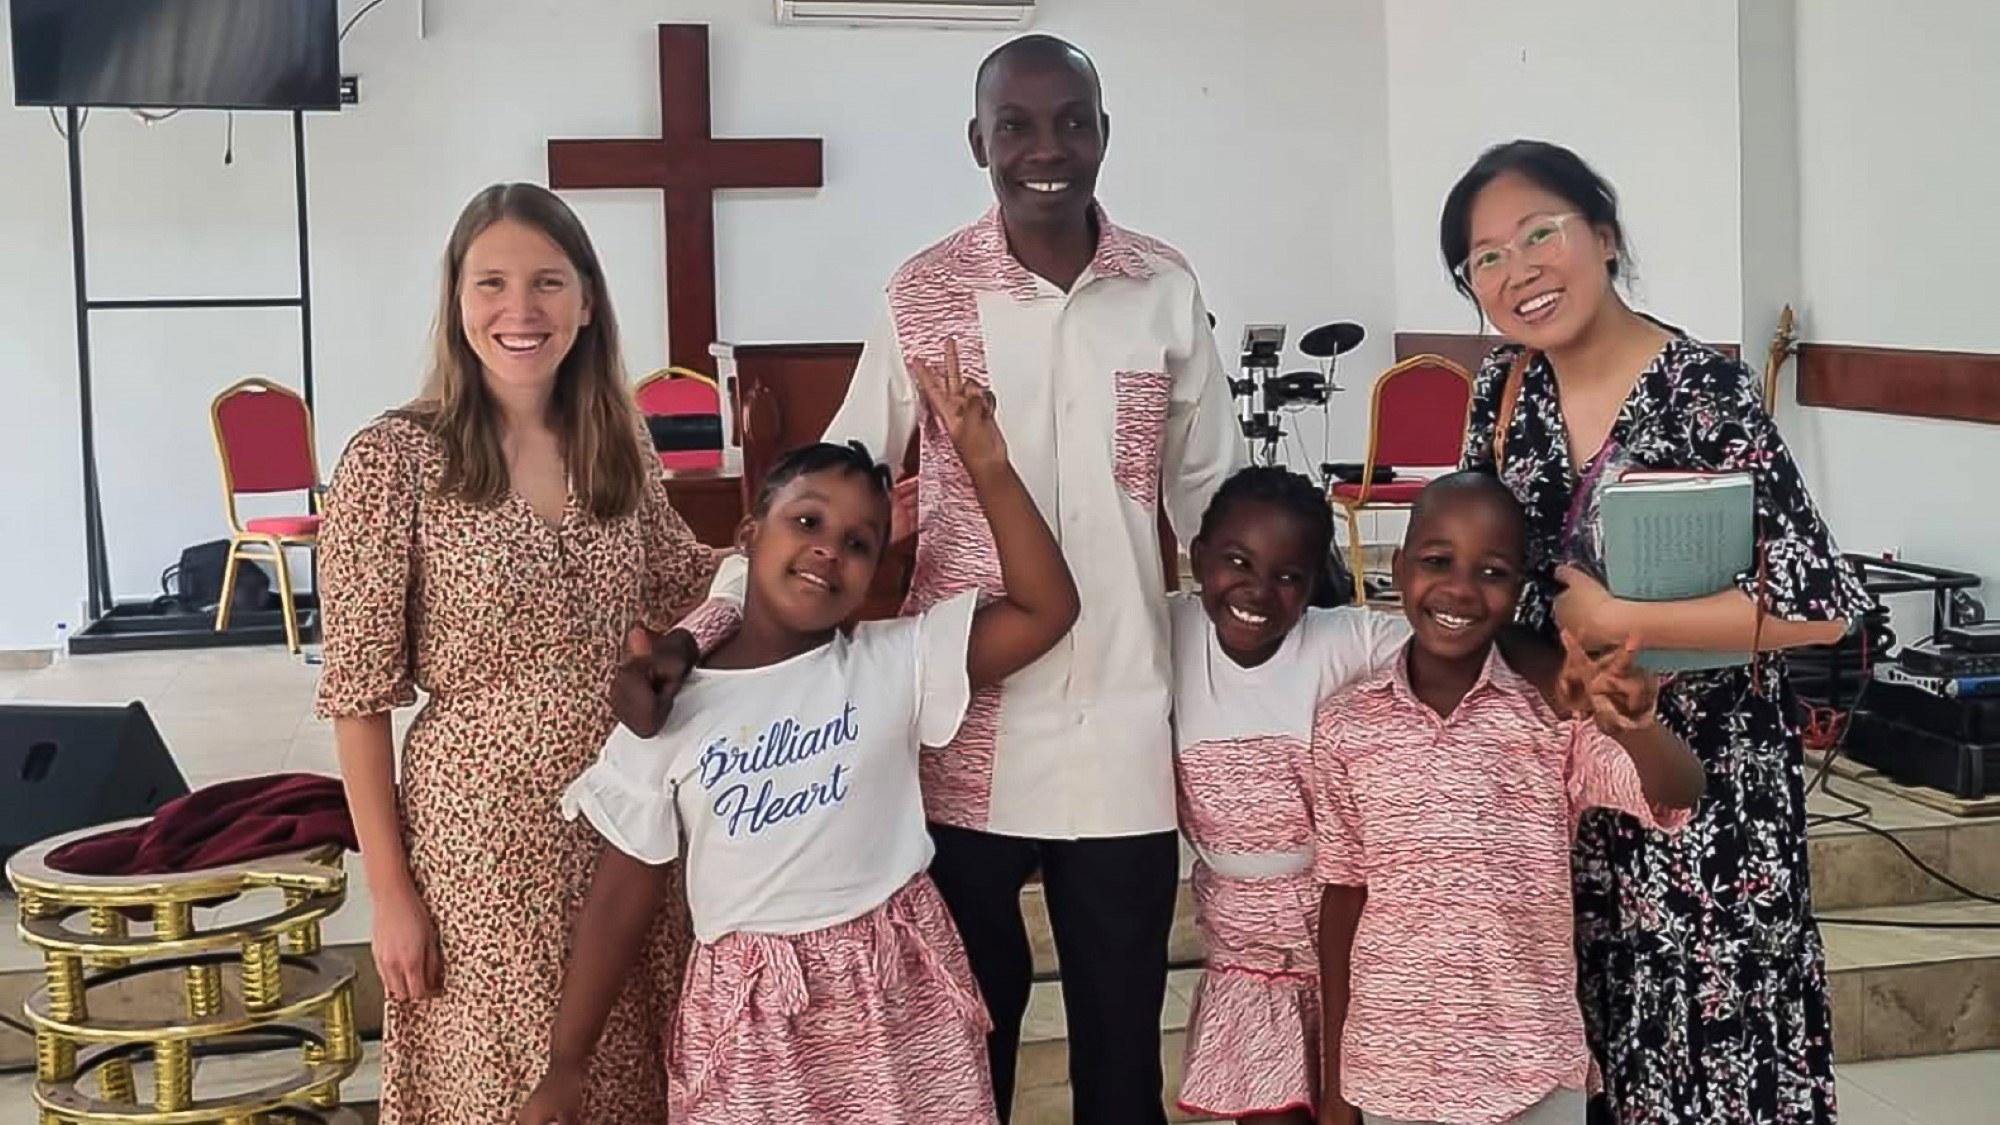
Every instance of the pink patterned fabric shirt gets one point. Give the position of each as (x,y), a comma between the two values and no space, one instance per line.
(1115,404)
(1463,1000)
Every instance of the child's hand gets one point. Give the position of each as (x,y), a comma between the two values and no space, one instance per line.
(1572,688)
(557,1101)
(1623,695)
(903,510)
(642,692)
(964,409)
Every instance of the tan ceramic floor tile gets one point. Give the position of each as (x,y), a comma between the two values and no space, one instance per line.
(1939,1090)
(1879,946)
(1045,1018)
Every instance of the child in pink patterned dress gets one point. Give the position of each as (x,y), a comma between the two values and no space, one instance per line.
(1251,661)
(827,982)
(1445,796)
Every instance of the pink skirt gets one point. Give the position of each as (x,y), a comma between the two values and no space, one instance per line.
(877,1019)
(1253,1041)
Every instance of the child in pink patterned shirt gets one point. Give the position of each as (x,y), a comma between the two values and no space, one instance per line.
(1445,793)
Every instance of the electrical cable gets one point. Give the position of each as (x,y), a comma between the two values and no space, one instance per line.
(1825,730)
(56,122)
(356,18)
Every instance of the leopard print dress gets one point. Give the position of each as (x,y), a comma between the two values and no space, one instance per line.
(512,629)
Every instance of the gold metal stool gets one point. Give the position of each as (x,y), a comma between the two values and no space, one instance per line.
(264,978)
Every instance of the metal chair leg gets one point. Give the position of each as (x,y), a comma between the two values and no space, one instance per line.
(1354,553)
(285,596)
(228,586)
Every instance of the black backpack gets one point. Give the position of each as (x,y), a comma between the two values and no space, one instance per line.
(194,585)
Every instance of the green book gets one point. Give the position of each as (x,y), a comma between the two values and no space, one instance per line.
(1669,537)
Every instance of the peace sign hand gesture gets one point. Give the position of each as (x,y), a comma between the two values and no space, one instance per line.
(964,409)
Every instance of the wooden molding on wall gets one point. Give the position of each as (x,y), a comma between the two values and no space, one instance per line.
(1469,349)
(1961,386)
(1912,382)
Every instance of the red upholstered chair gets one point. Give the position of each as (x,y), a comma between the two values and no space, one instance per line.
(264,440)
(1416,420)
(675,391)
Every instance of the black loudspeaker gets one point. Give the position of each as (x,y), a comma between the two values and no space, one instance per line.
(65,767)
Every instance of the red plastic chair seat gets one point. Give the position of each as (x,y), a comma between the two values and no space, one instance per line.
(1402,490)
(290,527)
(672,393)
(691,460)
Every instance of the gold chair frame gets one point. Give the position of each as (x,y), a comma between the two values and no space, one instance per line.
(256,544)
(1353,507)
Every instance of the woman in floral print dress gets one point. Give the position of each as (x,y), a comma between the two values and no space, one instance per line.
(492,544)
(1701,970)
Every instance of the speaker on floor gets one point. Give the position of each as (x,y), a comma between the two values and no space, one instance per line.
(65,767)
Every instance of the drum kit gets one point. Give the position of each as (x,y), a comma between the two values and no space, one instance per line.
(1263,395)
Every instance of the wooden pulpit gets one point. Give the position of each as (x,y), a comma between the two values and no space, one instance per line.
(782,396)
(710,500)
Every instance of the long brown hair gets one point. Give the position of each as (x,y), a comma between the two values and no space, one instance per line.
(591,407)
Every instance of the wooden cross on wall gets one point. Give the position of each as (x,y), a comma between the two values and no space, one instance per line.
(689,165)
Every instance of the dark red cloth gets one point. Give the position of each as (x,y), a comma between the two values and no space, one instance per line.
(230,822)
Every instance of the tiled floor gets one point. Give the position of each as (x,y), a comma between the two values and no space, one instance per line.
(1947,1090)
(224,713)
(233,712)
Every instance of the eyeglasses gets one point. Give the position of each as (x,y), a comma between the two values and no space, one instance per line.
(1541,242)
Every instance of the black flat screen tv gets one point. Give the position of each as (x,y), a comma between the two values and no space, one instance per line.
(177,54)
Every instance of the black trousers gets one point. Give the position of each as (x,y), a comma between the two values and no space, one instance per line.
(1111,905)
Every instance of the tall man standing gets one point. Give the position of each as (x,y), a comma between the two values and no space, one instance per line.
(1098,350)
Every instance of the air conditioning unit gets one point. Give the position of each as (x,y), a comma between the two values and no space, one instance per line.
(965,14)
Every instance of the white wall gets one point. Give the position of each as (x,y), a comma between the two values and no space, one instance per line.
(1768,139)
(1897,169)
(1645,92)
(1252,136)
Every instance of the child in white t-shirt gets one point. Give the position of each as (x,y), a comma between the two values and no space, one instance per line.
(827,982)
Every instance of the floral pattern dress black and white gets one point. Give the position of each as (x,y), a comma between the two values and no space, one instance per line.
(1701,971)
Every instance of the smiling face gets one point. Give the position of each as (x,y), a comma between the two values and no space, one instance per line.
(1460,570)
(521,303)
(1547,271)
(814,549)
(1256,568)
(1040,134)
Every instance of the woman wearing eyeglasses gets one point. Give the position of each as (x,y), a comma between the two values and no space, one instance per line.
(1701,971)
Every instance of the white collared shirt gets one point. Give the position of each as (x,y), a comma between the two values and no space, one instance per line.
(1114,404)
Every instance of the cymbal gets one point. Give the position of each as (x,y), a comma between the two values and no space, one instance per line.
(1330,340)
